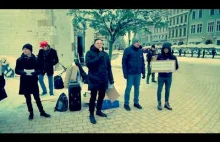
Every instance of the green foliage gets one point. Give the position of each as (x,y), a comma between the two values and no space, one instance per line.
(117,22)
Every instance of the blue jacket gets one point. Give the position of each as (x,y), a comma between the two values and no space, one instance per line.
(168,56)
(133,61)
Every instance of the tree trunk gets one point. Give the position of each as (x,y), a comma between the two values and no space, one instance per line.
(110,49)
(129,38)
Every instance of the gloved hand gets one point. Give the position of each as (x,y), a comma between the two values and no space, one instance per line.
(23,73)
(143,77)
(77,63)
(34,73)
(111,82)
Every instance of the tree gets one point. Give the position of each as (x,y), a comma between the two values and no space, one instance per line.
(115,22)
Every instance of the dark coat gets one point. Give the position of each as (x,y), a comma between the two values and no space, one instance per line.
(28,84)
(3,93)
(47,61)
(99,69)
(168,56)
(2,81)
(150,54)
(133,61)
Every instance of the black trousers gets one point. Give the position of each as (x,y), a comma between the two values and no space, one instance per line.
(101,95)
(38,102)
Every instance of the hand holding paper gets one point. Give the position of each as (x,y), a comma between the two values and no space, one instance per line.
(28,72)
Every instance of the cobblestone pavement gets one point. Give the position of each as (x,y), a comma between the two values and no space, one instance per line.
(194,97)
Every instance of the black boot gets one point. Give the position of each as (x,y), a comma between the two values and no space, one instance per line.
(44,114)
(138,106)
(92,119)
(127,107)
(159,106)
(167,106)
(100,113)
(31,116)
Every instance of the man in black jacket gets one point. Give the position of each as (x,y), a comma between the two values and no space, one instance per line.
(133,66)
(165,78)
(28,69)
(99,77)
(151,53)
(47,58)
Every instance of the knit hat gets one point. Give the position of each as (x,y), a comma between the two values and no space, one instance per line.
(28,46)
(167,45)
(134,40)
(43,43)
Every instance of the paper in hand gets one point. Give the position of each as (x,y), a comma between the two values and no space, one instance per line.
(28,72)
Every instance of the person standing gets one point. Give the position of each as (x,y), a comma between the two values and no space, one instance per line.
(213,53)
(165,78)
(133,66)
(99,77)
(28,69)
(150,55)
(47,58)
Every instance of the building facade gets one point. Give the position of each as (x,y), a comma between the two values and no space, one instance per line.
(204,25)
(178,23)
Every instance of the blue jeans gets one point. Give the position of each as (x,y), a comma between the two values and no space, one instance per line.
(161,81)
(132,79)
(50,81)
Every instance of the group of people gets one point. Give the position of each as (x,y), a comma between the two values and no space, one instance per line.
(32,69)
(213,52)
(133,66)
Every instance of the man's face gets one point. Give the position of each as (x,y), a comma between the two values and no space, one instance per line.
(98,44)
(26,51)
(153,49)
(166,50)
(137,44)
(45,48)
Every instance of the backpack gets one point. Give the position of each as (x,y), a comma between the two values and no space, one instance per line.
(58,82)
(62,103)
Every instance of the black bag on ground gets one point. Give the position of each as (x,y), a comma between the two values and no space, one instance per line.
(62,103)
(58,82)
(74,90)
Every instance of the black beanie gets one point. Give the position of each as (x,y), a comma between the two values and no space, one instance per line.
(28,46)
(167,45)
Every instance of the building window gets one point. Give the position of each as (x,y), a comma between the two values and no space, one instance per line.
(166,37)
(173,21)
(177,11)
(177,20)
(180,32)
(194,15)
(176,32)
(212,11)
(172,33)
(184,32)
(193,29)
(169,33)
(170,21)
(218,26)
(181,19)
(211,27)
(200,13)
(185,18)
(199,28)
